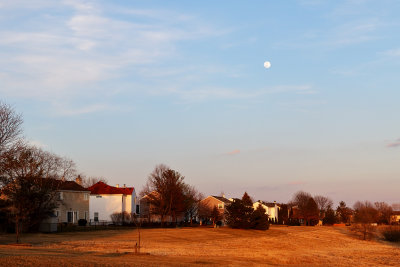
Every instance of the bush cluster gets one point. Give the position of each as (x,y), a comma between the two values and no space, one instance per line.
(391,234)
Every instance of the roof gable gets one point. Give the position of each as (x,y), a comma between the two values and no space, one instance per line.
(71,186)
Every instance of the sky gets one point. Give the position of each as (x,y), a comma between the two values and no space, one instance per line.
(121,86)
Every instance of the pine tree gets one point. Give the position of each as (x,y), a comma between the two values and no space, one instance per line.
(259,220)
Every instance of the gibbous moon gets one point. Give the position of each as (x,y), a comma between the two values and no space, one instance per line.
(267,64)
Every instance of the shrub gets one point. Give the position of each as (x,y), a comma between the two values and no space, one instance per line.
(121,218)
(82,222)
(366,230)
(392,234)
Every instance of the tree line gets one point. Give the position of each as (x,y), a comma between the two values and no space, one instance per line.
(29,175)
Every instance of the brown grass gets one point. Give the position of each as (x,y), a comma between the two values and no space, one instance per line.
(297,246)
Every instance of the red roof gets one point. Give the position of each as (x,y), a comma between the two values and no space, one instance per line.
(102,188)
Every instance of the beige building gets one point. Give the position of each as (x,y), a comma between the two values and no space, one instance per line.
(73,200)
(271,208)
(395,217)
(209,203)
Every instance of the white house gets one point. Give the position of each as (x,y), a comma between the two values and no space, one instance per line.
(271,209)
(106,200)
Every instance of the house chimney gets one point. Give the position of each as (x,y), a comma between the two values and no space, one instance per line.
(78,180)
(124,185)
(117,185)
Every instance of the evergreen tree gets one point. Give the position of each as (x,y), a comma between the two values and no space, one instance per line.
(247,211)
(259,220)
(235,214)
(330,217)
(215,215)
(240,214)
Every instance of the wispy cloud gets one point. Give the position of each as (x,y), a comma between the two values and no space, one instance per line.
(392,52)
(202,93)
(297,182)
(394,144)
(246,151)
(298,89)
(339,33)
(73,55)
(67,109)
(233,152)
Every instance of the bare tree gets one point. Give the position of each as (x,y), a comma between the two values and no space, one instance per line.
(165,192)
(215,215)
(192,198)
(89,181)
(306,205)
(138,223)
(204,211)
(384,212)
(365,216)
(23,160)
(323,204)
(396,206)
(10,127)
(30,178)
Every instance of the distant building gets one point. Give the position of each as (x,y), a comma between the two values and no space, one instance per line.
(207,205)
(73,202)
(106,200)
(395,217)
(271,208)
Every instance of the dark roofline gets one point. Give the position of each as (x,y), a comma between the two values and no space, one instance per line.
(222,199)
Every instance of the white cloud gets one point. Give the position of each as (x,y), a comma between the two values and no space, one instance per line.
(68,110)
(298,89)
(73,54)
(392,52)
(394,144)
(80,6)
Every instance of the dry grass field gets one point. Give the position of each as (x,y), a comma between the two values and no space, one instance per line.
(295,246)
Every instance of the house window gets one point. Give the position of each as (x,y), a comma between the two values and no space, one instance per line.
(86,196)
(70,216)
(60,196)
(220,206)
(96,216)
(137,209)
(98,196)
(56,213)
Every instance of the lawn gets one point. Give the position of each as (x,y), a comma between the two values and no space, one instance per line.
(297,246)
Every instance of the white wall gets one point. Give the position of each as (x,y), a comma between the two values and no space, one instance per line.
(272,212)
(134,201)
(105,206)
(109,204)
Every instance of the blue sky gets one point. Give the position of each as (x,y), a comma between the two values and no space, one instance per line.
(120,86)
